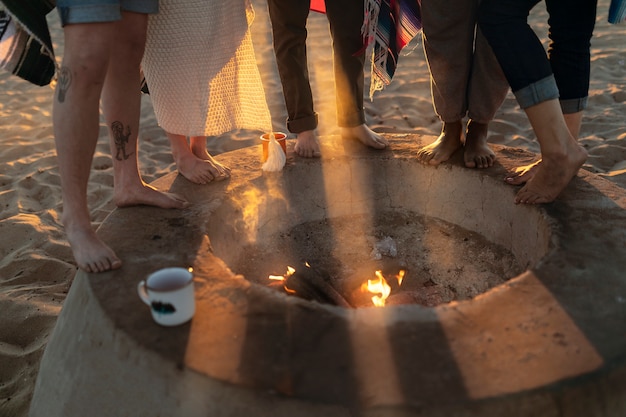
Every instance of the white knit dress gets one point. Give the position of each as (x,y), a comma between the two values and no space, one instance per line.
(201,70)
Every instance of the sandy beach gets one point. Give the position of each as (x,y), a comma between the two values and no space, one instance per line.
(36,266)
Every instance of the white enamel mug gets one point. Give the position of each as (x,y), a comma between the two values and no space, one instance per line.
(170,294)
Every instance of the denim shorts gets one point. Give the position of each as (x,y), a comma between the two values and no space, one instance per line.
(98,11)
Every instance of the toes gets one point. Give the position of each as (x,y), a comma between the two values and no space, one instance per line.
(381,141)
(433,162)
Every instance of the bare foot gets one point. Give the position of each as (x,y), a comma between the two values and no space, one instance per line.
(365,135)
(477,153)
(523,174)
(552,176)
(307,145)
(90,253)
(146,194)
(200,167)
(444,146)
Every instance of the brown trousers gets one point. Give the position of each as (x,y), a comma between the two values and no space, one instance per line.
(466,78)
(288,18)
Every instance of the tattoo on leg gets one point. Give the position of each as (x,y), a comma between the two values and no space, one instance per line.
(121,139)
(63,83)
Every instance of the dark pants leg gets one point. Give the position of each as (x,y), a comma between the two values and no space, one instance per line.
(346,20)
(571,28)
(533,75)
(288,18)
(465,76)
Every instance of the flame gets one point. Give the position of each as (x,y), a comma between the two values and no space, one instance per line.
(290,272)
(400,276)
(379,287)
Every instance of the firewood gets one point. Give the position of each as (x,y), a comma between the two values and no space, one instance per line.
(314,284)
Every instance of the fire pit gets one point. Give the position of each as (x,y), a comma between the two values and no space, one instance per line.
(502,309)
(417,259)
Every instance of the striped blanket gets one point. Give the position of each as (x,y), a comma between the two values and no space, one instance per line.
(617,11)
(25,44)
(389,25)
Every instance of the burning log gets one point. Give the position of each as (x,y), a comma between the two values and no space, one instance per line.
(313,284)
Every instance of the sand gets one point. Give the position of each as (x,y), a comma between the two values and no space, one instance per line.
(37,268)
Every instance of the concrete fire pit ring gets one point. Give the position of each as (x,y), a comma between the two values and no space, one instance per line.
(551,341)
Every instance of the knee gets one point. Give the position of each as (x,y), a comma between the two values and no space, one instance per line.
(87,64)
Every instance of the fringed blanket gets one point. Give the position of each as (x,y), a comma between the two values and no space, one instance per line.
(25,44)
(390,25)
(617,11)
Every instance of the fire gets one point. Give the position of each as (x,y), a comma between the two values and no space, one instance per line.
(283,278)
(380,288)
(400,276)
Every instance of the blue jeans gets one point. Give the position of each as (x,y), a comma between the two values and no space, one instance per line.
(98,11)
(534,76)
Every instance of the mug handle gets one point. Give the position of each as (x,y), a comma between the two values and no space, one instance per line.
(143,294)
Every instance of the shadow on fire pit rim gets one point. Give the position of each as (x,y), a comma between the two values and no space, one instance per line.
(534,340)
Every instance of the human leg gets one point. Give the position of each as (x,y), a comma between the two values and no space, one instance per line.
(448,36)
(346,18)
(448,42)
(288,19)
(523,174)
(198,148)
(487,90)
(477,153)
(449,140)
(121,107)
(518,49)
(194,162)
(307,144)
(76,128)
(571,28)
(561,155)
(90,41)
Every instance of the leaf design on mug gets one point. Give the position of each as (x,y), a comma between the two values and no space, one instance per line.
(163,308)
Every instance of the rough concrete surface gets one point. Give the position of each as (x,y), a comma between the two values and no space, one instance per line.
(548,342)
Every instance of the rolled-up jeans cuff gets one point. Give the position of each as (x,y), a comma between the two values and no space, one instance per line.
(302,124)
(537,92)
(75,11)
(573,105)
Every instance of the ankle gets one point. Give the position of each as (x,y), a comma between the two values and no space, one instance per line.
(451,125)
